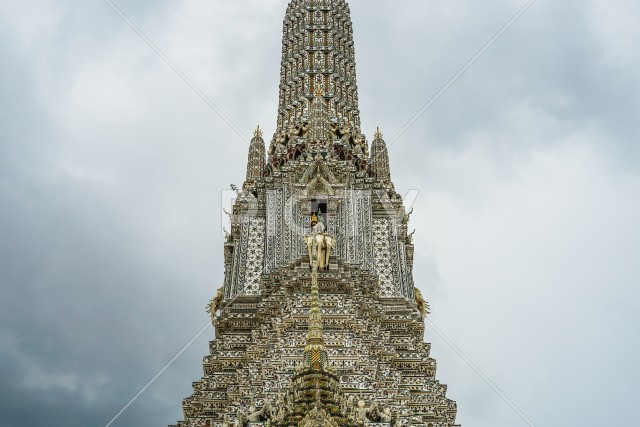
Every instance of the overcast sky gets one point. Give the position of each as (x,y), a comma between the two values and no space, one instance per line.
(112,168)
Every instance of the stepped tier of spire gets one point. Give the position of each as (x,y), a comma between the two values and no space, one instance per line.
(315,397)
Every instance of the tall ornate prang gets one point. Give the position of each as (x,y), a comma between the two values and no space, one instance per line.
(318,322)
(318,53)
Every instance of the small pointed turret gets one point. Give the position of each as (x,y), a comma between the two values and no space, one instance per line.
(256,161)
(379,162)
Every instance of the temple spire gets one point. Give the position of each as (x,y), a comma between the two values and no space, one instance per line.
(318,53)
(256,160)
(379,161)
(369,366)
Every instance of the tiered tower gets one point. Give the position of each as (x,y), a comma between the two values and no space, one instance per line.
(318,322)
(318,55)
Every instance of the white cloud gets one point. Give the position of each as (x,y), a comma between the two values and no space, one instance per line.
(530,268)
(29,23)
(615,24)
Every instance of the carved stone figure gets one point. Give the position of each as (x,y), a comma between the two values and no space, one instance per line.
(421,304)
(373,414)
(253,414)
(351,400)
(334,130)
(329,244)
(299,131)
(386,416)
(359,147)
(361,411)
(406,217)
(216,303)
(318,227)
(310,241)
(272,148)
(312,246)
(240,418)
(344,405)
(345,136)
(304,128)
(320,244)
(281,145)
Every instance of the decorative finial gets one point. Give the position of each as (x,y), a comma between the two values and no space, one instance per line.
(258,132)
(378,134)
